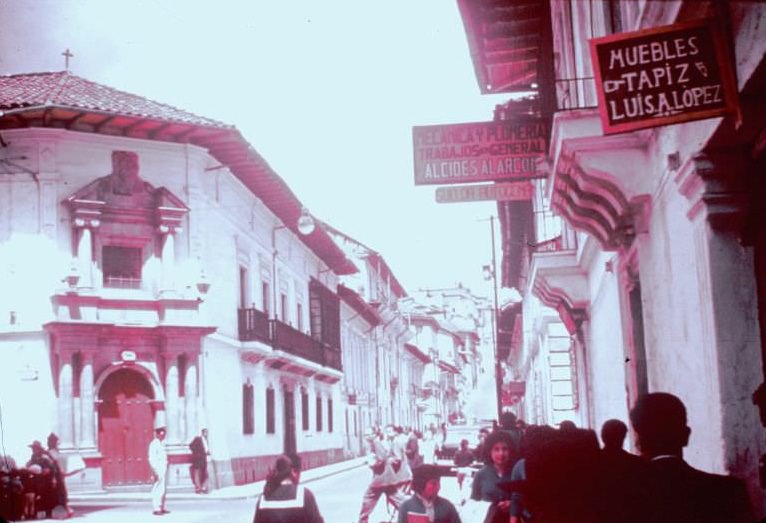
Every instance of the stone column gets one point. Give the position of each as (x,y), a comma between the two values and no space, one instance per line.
(192,427)
(87,401)
(729,346)
(84,254)
(171,398)
(66,402)
(168,257)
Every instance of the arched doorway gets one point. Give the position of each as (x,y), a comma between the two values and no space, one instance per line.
(125,427)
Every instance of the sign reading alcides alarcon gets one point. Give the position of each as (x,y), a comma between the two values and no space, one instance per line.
(661,76)
(503,150)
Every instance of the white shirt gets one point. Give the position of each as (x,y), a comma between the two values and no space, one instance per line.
(158,457)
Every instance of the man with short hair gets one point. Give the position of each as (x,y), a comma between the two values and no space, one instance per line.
(425,504)
(200,452)
(677,491)
(158,461)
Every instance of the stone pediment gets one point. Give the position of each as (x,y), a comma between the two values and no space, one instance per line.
(124,196)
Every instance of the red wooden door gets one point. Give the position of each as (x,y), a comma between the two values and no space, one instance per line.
(125,428)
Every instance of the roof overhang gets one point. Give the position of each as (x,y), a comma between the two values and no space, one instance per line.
(356,302)
(415,351)
(506,39)
(225,144)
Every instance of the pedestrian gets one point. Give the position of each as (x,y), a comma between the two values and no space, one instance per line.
(485,483)
(412,450)
(622,477)
(462,460)
(677,491)
(200,453)
(158,461)
(45,484)
(284,500)
(390,473)
(428,446)
(479,453)
(62,496)
(425,506)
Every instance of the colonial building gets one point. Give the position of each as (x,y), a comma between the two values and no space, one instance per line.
(387,387)
(155,270)
(658,274)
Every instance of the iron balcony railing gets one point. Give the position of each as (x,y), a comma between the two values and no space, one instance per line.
(255,325)
(576,93)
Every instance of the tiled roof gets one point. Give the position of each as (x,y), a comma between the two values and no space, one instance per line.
(65,101)
(63,89)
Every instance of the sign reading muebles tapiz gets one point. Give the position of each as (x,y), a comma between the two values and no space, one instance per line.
(503,150)
(662,76)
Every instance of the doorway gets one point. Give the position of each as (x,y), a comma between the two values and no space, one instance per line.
(125,427)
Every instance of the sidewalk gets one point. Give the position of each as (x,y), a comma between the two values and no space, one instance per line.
(248,490)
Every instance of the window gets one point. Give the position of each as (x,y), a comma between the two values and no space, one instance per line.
(242,287)
(324,310)
(121,267)
(270,417)
(265,294)
(283,307)
(329,414)
(305,409)
(319,414)
(299,317)
(248,409)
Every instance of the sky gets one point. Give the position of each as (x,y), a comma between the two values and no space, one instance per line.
(326,91)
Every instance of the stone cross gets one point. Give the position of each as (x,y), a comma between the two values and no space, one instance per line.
(67,55)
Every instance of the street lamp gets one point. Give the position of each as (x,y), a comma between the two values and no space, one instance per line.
(490,273)
(306,225)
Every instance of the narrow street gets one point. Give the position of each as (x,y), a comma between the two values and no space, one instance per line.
(339,497)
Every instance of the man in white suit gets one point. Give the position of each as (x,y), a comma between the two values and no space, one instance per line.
(158,461)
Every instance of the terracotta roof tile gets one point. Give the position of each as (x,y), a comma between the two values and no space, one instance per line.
(63,89)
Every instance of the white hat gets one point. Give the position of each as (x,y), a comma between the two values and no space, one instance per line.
(159,420)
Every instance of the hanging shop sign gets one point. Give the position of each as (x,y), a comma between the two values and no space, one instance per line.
(502,192)
(503,150)
(662,76)
(513,392)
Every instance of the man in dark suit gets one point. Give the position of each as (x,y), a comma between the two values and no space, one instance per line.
(200,453)
(677,491)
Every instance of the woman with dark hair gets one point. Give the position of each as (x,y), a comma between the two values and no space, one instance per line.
(486,486)
(283,499)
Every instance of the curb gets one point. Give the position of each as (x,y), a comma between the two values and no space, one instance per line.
(249,490)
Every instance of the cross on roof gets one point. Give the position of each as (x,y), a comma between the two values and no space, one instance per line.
(67,55)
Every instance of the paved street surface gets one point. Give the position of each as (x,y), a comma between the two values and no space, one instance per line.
(339,496)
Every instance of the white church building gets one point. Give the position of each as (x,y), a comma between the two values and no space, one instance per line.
(155,270)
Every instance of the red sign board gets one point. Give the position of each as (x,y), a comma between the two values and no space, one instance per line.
(503,150)
(501,192)
(512,392)
(662,76)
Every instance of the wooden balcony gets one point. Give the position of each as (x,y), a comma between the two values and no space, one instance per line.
(254,326)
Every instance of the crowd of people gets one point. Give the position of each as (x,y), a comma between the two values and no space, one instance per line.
(540,474)
(515,474)
(38,487)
